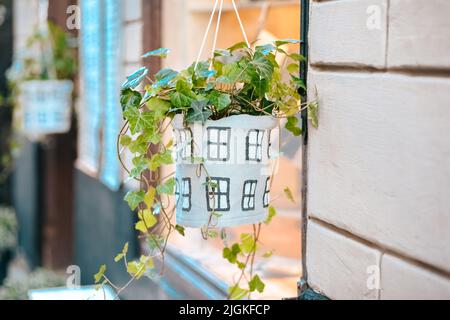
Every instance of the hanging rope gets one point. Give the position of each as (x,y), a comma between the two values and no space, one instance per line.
(216,34)
(205,36)
(47,45)
(240,23)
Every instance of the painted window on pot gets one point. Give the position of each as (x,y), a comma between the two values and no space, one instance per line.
(219,143)
(269,144)
(185,144)
(266,196)
(249,193)
(218,194)
(183,194)
(254,145)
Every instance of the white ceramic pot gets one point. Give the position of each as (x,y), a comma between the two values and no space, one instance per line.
(46,106)
(236,153)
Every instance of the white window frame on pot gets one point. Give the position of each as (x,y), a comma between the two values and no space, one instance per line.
(185,144)
(219,141)
(249,195)
(216,196)
(266,196)
(182,195)
(254,145)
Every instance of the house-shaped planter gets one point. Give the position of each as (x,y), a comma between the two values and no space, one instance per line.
(225,167)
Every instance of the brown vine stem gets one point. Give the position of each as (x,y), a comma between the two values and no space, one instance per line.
(249,259)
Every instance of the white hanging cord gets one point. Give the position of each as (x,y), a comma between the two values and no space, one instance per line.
(47,50)
(206,34)
(208,28)
(217,33)
(240,23)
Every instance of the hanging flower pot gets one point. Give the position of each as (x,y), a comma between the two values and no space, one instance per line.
(41,81)
(223,170)
(226,114)
(46,106)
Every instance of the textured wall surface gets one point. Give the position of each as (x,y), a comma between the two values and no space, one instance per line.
(379,164)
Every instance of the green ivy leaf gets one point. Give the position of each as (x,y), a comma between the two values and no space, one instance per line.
(155,242)
(138,120)
(248,244)
(237,46)
(168,187)
(198,112)
(149,198)
(292,126)
(268,254)
(180,230)
(222,53)
(313,114)
(147,221)
(125,141)
(237,293)
(99,275)
(135,79)
(272,214)
(130,99)
(282,42)
(134,198)
(161,52)
(153,137)
(179,100)
(213,234)
(265,49)
(260,85)
(220,100)
(121,255)
(140,165)
(256,284)
(264,67)
(164,77)
(139,145)
(293,68)
(137,269)
(159,107)
(297,57)
(231,253)
(231,73)
(160,159)
(289,194)
(299,83)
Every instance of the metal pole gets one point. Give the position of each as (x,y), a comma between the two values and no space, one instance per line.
(304,24)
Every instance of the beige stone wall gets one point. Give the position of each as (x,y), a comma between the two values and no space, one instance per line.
(379,165)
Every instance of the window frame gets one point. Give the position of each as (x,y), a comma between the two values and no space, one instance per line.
(248,197)
(219,143)
(182,153)
(258,145)
(218,194)
(266,195)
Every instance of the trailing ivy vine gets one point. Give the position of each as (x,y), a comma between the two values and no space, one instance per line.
(235,81)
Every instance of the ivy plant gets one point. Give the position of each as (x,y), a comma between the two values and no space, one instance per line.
(237,80)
